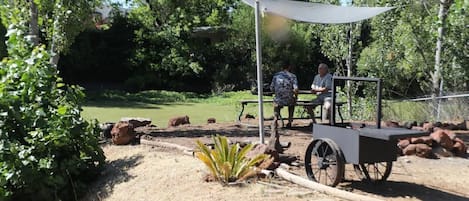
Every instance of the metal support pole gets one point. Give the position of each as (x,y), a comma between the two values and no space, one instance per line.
(332,109)
(349,70)
(378,106)
(439,101)
(260,84)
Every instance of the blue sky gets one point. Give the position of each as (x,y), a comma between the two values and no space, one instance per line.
(122,2)
(345,2)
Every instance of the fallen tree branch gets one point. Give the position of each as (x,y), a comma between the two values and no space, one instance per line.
(185,150)
(322,188)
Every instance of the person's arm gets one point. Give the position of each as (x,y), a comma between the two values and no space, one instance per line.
(313,85)
(295,86)
(320,90)
(328,84)
(272,85)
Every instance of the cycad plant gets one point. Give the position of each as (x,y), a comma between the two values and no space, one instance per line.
(229,163)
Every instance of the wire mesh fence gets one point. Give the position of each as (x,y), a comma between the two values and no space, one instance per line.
(449,108)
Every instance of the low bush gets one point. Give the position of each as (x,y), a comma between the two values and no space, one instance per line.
(229,163)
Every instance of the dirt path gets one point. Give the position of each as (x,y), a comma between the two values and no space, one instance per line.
(143,172)
(412,178)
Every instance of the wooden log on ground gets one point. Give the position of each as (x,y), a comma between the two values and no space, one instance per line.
(185,150)
(321,188)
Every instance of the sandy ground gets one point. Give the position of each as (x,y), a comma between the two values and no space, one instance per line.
(142,172)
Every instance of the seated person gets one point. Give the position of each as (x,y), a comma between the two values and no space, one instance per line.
(285,86)
(322,85)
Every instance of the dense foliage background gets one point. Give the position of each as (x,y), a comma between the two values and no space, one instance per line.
(205,46)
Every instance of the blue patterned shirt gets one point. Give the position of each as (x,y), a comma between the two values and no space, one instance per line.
(283,85)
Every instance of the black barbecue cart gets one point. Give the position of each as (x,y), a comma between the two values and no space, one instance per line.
(371,149)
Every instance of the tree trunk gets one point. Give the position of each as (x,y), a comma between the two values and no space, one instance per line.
(33,23)
(349,71)
(274,141)
(54,51)
(54,60)
(437,75)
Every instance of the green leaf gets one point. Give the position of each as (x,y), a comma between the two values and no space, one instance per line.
(62,110)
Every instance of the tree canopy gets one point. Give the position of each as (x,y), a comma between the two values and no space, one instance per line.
(201,46)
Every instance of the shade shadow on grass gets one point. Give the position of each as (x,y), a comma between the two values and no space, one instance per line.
(195,133)
(236,130)
(115,173)
(396,189)
(144,97)
(129,104)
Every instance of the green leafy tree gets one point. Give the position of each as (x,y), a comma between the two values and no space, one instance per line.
(403,46)
(165,39)
(48,151)
(298,45)
(54,23)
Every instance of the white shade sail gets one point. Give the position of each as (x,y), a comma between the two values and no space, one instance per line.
(317,12)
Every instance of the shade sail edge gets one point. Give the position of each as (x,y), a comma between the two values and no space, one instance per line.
(317,13)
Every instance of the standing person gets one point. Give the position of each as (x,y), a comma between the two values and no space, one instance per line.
(285,86)
(321,86)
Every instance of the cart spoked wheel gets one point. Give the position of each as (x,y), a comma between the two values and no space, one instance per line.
(374,172)
(324,162)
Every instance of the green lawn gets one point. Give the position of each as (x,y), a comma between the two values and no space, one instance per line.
(160,106)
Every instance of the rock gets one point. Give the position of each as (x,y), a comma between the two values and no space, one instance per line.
(464,125)
(438,124)
(423,150)
(264,149)
(403,143)
(442,138)
(392,124)
(211,121)
(422,140)
(122,133)
(428,127)
(416,140)
(106,129)
(441,152)
(410,149)
(410,124)
(459,148)
(417,128)
(449,126)
(176,121)
(249,116)
(136,121)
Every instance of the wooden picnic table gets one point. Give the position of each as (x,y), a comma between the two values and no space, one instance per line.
(303,103)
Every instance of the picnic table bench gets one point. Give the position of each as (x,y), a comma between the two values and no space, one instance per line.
(303,103)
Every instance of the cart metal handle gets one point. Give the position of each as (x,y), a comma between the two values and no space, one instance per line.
(364,79)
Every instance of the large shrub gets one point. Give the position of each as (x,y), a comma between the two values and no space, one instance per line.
(48,151)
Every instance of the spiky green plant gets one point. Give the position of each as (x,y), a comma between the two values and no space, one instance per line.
(229,163)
